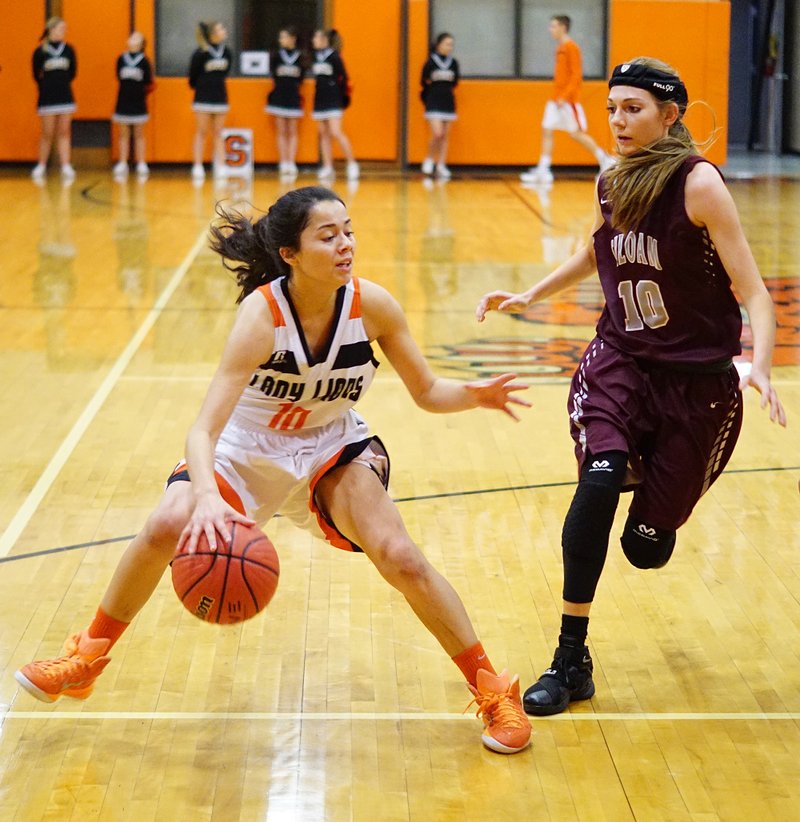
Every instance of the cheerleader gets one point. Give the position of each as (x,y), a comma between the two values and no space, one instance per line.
(210,64)
(54,68)
(331,98)
(135,77)
(439,77)
(284,102)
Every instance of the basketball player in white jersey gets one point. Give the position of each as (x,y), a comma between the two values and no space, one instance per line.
(277,433)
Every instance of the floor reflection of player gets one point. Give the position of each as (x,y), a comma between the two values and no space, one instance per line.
(437,268)
(238,190)
(558,242)
(557,247)
(131,235)
(54,280)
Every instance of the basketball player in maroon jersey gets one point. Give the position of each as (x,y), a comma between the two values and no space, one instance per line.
(656,404)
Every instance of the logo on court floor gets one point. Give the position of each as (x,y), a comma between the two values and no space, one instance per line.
(786,296)
(556,357)
(537,357)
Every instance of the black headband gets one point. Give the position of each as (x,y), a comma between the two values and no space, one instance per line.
(663,86)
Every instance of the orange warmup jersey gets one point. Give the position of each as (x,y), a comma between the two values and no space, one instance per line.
(568,73)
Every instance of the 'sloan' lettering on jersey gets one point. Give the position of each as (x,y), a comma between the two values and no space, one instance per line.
(637,248)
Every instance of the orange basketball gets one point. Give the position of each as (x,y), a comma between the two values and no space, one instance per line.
(230,584)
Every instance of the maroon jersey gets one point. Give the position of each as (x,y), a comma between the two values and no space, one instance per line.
(668,296)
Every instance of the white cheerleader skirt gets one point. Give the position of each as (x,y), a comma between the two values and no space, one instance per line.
(130,119)
(329,114)
(211,108)
(289,113)
(447,116)
(63,108)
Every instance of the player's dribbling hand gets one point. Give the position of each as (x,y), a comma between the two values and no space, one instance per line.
(497,393)
(505,301)
(761,383)
(211,517)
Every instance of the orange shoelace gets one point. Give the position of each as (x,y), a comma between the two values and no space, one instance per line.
(500,709)
(52,669)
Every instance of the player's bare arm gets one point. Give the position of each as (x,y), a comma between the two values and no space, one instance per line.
(386,323)
(709,204)
(579,266)
(249,343)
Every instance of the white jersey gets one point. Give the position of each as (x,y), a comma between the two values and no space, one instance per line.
(292,390)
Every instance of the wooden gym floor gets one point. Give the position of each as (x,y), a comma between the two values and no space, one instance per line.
(336,704)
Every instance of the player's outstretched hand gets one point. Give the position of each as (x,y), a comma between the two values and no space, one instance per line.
(497,393)
(761,383)
(504,301)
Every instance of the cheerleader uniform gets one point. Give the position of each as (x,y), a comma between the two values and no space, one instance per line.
(54,68)
(135,75)
(207,73)
(287,72)
(439,78)
(331,97)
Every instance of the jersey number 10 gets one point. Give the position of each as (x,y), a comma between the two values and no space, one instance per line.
(643,305)
(289,417)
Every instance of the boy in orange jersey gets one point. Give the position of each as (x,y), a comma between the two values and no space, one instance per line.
(564,112)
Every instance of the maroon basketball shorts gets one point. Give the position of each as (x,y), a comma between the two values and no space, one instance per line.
(678,428)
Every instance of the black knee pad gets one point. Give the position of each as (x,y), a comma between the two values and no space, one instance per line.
(646,546)
(584,538)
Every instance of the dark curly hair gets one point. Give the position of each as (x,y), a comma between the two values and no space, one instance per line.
(256,245)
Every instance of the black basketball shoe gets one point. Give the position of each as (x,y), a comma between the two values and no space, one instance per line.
(568,679)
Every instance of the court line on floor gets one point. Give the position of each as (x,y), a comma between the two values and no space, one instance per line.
(385,378)
(328,716)
(70,442)
(396,500)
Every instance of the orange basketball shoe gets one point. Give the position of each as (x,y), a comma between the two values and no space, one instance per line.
(506,727)
(70,675)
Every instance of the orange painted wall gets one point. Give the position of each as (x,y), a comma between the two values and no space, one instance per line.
(372,55)
(371,32)
(659,29)
(172,120)
(498,119)
(95,84)
(170,129)
(144,21)
(97,29)
(22,23)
